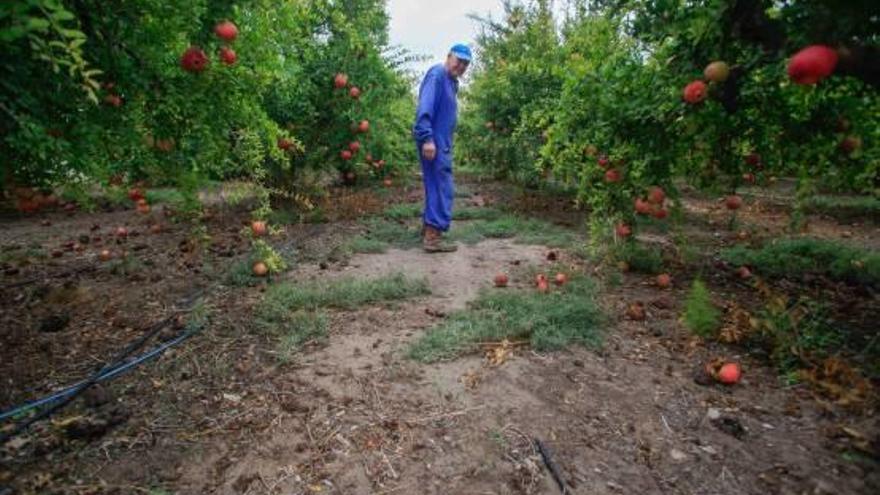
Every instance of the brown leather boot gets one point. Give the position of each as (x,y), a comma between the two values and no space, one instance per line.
(433,241)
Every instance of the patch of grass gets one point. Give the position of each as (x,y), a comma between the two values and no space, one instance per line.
(296,329)
(794,258)
(393,233)
(284,216)
(115,197)
(700,316)
(844,207)
(525,230)
(294,313)
(463,191)
(473,213)
(344,293)
(165,195)
(241,274)
(126,265)
(316,215)
(361,244)
(640,258)
(565,316)
(403,211)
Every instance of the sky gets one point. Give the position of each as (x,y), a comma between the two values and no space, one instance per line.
(431,27)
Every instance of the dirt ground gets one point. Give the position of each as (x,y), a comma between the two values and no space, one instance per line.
(354,415)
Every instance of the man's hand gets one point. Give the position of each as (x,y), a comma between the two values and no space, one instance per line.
(429,150)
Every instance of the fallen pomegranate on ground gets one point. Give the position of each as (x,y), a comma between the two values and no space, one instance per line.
(560,279)
(664,280)
(656,195)
(259,229)
(260,269)
(636,311)
(135,194)
(501,280)
(733,202)
(544,286)
(729,374)
(623,230)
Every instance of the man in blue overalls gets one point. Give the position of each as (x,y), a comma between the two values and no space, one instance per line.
(435,122)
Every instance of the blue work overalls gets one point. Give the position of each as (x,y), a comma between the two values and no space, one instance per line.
(435,121)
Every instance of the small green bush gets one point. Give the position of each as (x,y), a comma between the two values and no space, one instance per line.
(700,316)
(794,258)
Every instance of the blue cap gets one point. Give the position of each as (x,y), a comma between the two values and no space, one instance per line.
(461,51)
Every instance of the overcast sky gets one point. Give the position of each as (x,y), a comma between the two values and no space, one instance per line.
(431,27)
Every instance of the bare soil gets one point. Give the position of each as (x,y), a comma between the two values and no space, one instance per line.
(352,414)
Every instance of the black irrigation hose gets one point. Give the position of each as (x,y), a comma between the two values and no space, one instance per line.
(66,273)
(551,465)
(95,377)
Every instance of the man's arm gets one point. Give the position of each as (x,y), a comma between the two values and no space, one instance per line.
(422,130)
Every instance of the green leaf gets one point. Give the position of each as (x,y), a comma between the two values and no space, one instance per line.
(37,24)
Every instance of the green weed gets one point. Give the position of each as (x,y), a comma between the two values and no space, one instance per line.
(549,321)
(700,316)
(347,293)
(794,258)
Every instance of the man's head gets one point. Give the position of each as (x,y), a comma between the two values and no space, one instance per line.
(458,60)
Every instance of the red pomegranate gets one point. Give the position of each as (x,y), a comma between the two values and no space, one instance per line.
(656,195)
(733,202)
(345,154)
(354,92)
(812,64)
(612,176)
(113,100)
(695,92)
(623,230)
(716,71)
(340,80)
(194,59)
(226,31)
(227,55)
